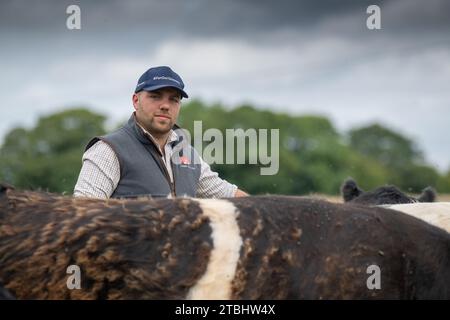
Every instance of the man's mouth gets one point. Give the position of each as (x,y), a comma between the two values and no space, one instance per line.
(162,116)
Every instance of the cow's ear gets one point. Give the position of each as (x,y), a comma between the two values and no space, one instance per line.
(4,187)
(428,195)
(350,190)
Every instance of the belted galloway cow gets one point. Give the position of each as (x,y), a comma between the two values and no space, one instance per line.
(260,247)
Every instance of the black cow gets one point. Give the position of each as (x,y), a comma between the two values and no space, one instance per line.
(264,247)
(382,195)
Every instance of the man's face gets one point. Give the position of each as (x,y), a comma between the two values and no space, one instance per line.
(157,111)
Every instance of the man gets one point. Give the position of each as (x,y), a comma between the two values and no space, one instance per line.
(150,155)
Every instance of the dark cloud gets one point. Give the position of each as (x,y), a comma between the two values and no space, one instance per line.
(260,14)
(205,18)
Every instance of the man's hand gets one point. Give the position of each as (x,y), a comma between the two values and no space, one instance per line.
(240,193)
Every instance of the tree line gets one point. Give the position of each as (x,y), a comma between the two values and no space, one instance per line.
(313,156)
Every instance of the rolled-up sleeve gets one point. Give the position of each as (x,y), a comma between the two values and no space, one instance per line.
(210,185)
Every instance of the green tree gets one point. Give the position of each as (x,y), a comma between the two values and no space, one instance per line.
(398,154)
(313,157)
(386,146)
(443,184)
(414,178)
(48,156)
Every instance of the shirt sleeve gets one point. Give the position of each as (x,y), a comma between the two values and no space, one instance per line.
(100,172)
(211,186)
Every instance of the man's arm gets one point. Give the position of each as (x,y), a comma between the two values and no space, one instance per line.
(100,173)
(210,185)
(240,193)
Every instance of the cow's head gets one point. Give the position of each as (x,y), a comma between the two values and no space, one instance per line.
(382,195)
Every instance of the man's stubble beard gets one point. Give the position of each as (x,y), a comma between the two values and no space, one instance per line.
(151,126)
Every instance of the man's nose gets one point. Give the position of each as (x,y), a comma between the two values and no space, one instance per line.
(165,104)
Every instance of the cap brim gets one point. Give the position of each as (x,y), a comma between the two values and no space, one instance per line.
(153,88)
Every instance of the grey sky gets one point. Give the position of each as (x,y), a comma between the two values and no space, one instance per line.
(296,56)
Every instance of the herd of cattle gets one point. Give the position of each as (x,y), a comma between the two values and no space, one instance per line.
(377,245)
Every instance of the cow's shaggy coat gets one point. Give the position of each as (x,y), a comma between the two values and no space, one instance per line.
(269,247)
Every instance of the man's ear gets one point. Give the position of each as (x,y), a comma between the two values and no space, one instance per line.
(135,100)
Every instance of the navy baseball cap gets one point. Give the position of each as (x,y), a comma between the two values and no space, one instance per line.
(160,77)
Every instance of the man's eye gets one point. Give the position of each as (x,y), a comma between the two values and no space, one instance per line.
(176,99)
